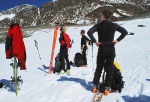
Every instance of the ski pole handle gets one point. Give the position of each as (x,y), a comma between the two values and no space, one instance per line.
(36,43)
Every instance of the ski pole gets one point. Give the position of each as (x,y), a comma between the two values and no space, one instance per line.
(92,56)
(71,45)
(36,44)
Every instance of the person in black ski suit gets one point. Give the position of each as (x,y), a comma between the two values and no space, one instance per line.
(106,51)
(84,42)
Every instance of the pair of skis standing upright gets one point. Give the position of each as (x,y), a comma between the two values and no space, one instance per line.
(16,81)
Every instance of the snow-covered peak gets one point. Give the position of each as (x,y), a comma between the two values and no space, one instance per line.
(17,9)
(6,16)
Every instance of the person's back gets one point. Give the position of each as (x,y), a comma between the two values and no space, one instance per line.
(106,31)
(106,52)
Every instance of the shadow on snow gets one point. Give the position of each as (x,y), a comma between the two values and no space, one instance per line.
(141,98)
(147,79)
(7,84)
(84,84)
(43,70)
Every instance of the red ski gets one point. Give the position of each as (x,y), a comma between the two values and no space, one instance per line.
(53,48)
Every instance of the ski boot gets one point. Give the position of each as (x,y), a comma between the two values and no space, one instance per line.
(94,89)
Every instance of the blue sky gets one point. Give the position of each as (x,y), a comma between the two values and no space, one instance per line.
(6,4)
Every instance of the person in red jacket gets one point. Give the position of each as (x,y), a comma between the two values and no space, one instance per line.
(64,40)
(15,45)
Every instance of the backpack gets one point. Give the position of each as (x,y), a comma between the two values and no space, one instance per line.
(117,81)
(78,60)
(67,40)
(57,64)
(1,84)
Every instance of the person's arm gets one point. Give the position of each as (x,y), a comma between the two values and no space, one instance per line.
(91,31)
(122,31)
(82,48)
(60,38)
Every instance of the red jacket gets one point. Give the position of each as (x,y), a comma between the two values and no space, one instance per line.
(15,46)
(65,40)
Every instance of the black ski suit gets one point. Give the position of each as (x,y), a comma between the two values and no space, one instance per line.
(106,51)
(84,40)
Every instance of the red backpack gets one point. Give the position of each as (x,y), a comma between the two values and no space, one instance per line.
(66,40)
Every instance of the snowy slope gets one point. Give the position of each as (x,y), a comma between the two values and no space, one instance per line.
(133,55)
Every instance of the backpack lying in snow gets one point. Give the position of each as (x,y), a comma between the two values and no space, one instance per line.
(57,64)
(117,81)
(1,84)
(78,59)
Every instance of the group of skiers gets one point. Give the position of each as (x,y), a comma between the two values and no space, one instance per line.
(106,48)
(64,40)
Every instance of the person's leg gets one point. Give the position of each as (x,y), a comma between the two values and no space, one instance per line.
(84,56)
(62,61)
(109,66)
(67,60)
(99,67)
(109,71)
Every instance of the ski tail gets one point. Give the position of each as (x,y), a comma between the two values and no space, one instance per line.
(16,75)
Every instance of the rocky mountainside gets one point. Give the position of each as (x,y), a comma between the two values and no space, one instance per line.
(26,15)
(71,11)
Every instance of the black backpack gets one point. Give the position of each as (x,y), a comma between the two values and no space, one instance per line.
(57,64)
(117,81)
(1,84)
(78,60)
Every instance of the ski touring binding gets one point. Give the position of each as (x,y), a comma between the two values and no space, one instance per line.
(19,84)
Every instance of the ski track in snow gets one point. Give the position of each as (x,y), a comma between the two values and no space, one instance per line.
(133,55)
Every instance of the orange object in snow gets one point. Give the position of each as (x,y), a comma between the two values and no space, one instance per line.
(53,48)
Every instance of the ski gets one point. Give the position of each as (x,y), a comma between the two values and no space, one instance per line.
(97,97)
(15,75)
(16,80)
(53,48)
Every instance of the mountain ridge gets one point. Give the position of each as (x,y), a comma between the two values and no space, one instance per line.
(74,12)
